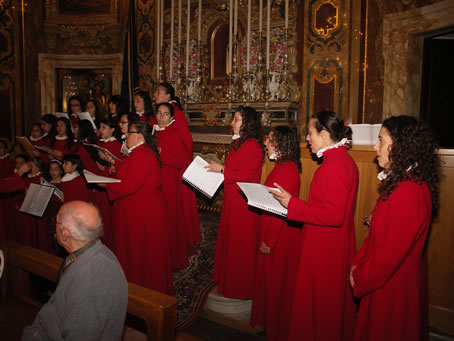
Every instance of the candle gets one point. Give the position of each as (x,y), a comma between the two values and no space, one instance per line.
(158,36)
(179,23)
(235,22)
(161,40)
(230,36)
(260,15)
(248,53)
(268,33)
(200,22)
(286,14)
(187,38)
(172,12)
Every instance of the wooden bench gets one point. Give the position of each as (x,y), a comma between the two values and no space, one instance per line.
(156,309)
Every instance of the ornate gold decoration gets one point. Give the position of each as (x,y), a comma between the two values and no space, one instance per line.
(331,23)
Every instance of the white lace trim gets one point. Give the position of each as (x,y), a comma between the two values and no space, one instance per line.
(110,139)
(336,145)
(4,156)
(273,156)
(61,138)
(68,177)
(37,139)
(140,113)
(137,145)
(124,149)
(33,176)
(156,127)
(235,136)
(383,174)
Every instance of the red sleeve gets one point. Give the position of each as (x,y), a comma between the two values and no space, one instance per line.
(245,169)
(334,185)
(183,129)
(12,184)
(132,178)
(404,222)
(172,150)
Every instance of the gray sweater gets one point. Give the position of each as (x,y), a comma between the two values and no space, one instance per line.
(89,303)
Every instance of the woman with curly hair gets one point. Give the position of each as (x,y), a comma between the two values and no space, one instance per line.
(323,306)
(277,259)
(144,108)
(389,273)
(236,246)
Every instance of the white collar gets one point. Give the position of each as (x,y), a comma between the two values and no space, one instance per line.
(33,176)
(113,115)
(68,177)
(4,156)
(140,113)
(76,114)
(137,145)
(61,138)
(123,137)
(383,174)
(37,139)
(124,149)
(336,145)
(273,156)
(235,137)
(156,127)
(110,139)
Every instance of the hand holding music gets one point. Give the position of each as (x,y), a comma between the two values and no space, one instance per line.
(215,167)
(264,248)
(283,196)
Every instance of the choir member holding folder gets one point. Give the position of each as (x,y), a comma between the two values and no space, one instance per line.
(236,246)
(75,106)
(165,93)
(143,107)
(63,142)
(323,307)
(278,256)
(389,273)
(73,182)
(142,245)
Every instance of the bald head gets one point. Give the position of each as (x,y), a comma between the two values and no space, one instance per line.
(82,219)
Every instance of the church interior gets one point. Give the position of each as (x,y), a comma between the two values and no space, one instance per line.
(366,60)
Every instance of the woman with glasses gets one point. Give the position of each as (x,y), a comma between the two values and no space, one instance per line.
(323,306)
(142,245)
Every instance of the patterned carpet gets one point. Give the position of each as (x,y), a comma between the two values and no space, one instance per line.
(193,284)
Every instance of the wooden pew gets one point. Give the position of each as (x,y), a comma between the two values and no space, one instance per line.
(156,309)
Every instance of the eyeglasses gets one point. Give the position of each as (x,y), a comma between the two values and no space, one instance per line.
(133,132)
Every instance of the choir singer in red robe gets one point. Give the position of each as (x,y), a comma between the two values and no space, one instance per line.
(237,243)
(389,273)
(323,306)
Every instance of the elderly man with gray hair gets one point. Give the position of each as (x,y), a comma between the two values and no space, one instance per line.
(91,298)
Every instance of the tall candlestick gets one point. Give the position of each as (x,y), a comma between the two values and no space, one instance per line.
(268,33)
(179,22)
(200,22)
(172,13)
(187,38)
(235,21)
(260,15)
(230,36)
(158,37)
(161,30)
(248,53)
(286,14)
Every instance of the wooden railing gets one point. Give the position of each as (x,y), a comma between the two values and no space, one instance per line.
(156,309)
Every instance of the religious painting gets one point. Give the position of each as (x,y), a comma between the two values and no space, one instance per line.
(84,7)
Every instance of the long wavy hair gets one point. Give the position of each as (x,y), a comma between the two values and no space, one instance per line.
(120,105)
(415,146)
(251,128)
(328,120)
(85,133)
(169,89)
(147,105)
(287,144)
(151,141)
(69,134)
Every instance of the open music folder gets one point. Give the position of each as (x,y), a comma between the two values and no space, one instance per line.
(37,199)
(97,179)
(25,144)
(259,196)
(199,177)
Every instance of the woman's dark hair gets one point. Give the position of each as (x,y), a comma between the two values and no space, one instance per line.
(47,173)
(151,141)
(86,133)
(52,120)
(37,124)
(169,89)
(120,105)
(24,157)
(147,106)
(75,160)
(168,106)
(69,134)
(78,98)
(97,111)
(39,163)
(113,124)
(250,128)
(415,146)
(328,120)
(287,144)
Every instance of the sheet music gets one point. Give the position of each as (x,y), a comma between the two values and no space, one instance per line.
(25,144)
(107,151)
(85,115)
(97,179)
(199,177)
(36,199)
(45,149)
(57,192)
(258,196)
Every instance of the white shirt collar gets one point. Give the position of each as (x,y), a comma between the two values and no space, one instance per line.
(33,176)
(140,113)
(110,139)
(4,156)
(61,138)
(37,139)
(336,145)
(70,176)
(273,156)
(124,149)
(156,127)
(384,173)
(235,136)
(137,145)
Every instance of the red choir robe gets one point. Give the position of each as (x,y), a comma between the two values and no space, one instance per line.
(6,166)
(151,120)
(74,187)
(140,221)
(6,171)
(323,307)
(236,246)
(190,213)
(74,119)
(172,157)
(276,272)
(11,184)
(43,141)
(61,146)
(391,267)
